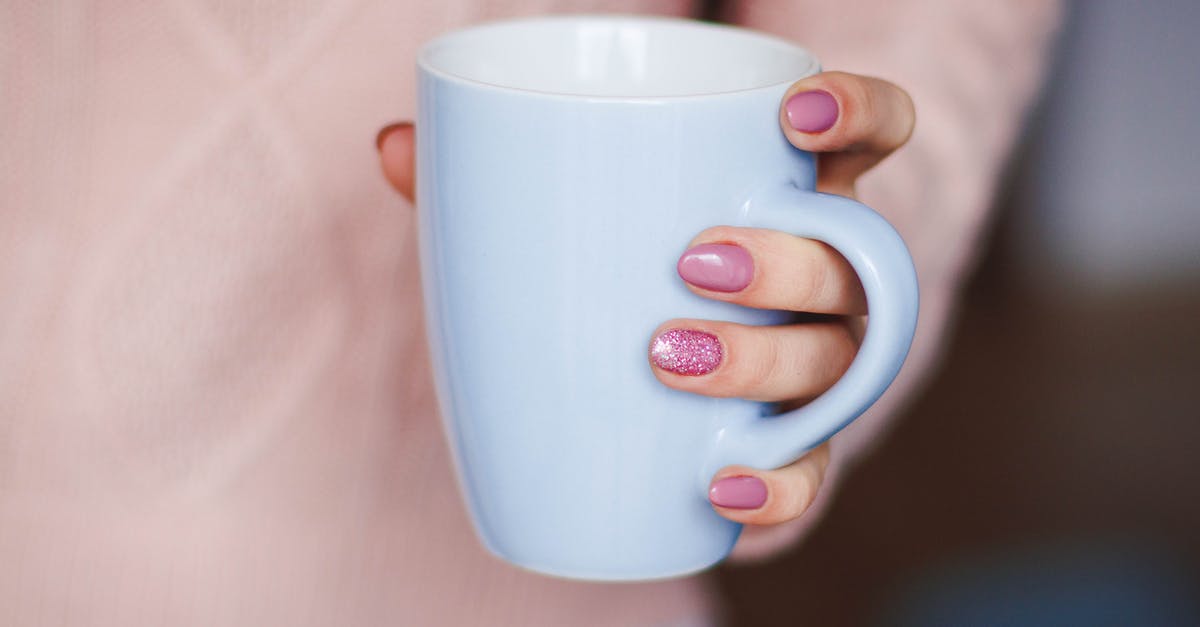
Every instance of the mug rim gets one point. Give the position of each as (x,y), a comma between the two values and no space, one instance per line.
(426,63)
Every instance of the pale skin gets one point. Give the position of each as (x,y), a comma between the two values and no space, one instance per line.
(791,363)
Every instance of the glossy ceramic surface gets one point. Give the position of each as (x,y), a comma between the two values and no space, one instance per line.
(563,166)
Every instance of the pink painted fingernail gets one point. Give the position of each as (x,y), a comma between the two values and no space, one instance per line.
(738,492)
(718,267)
(686,351)
(812,111)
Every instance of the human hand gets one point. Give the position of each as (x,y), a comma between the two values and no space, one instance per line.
(854,122)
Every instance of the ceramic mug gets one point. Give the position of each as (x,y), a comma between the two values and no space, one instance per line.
(563,165)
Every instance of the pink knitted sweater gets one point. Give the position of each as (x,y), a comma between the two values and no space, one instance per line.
(215,406)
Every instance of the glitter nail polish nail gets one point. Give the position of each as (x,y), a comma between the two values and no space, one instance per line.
(686,351)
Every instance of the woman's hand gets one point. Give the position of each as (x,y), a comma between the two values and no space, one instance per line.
(854,122)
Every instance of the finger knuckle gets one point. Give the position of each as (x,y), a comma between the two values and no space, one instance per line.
(879,113)
(794,499)
(755,372)
(861,107)
(844,347)
(809,286)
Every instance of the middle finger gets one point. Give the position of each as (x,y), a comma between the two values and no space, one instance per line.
(769,269)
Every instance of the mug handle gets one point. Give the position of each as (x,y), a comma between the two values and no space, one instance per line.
(884,266)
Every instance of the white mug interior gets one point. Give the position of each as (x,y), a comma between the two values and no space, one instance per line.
(617,57)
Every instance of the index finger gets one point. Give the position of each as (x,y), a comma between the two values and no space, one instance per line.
(855,120)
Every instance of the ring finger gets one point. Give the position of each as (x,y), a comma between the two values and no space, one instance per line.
(764,363)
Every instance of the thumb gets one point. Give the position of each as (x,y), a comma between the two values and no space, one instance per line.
(395,144)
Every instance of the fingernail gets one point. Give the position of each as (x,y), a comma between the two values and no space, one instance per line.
(738,492)
(812,111)
(686,351)
(718,267)
(385,131)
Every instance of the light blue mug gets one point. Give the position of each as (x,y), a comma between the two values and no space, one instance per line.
(563,164)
